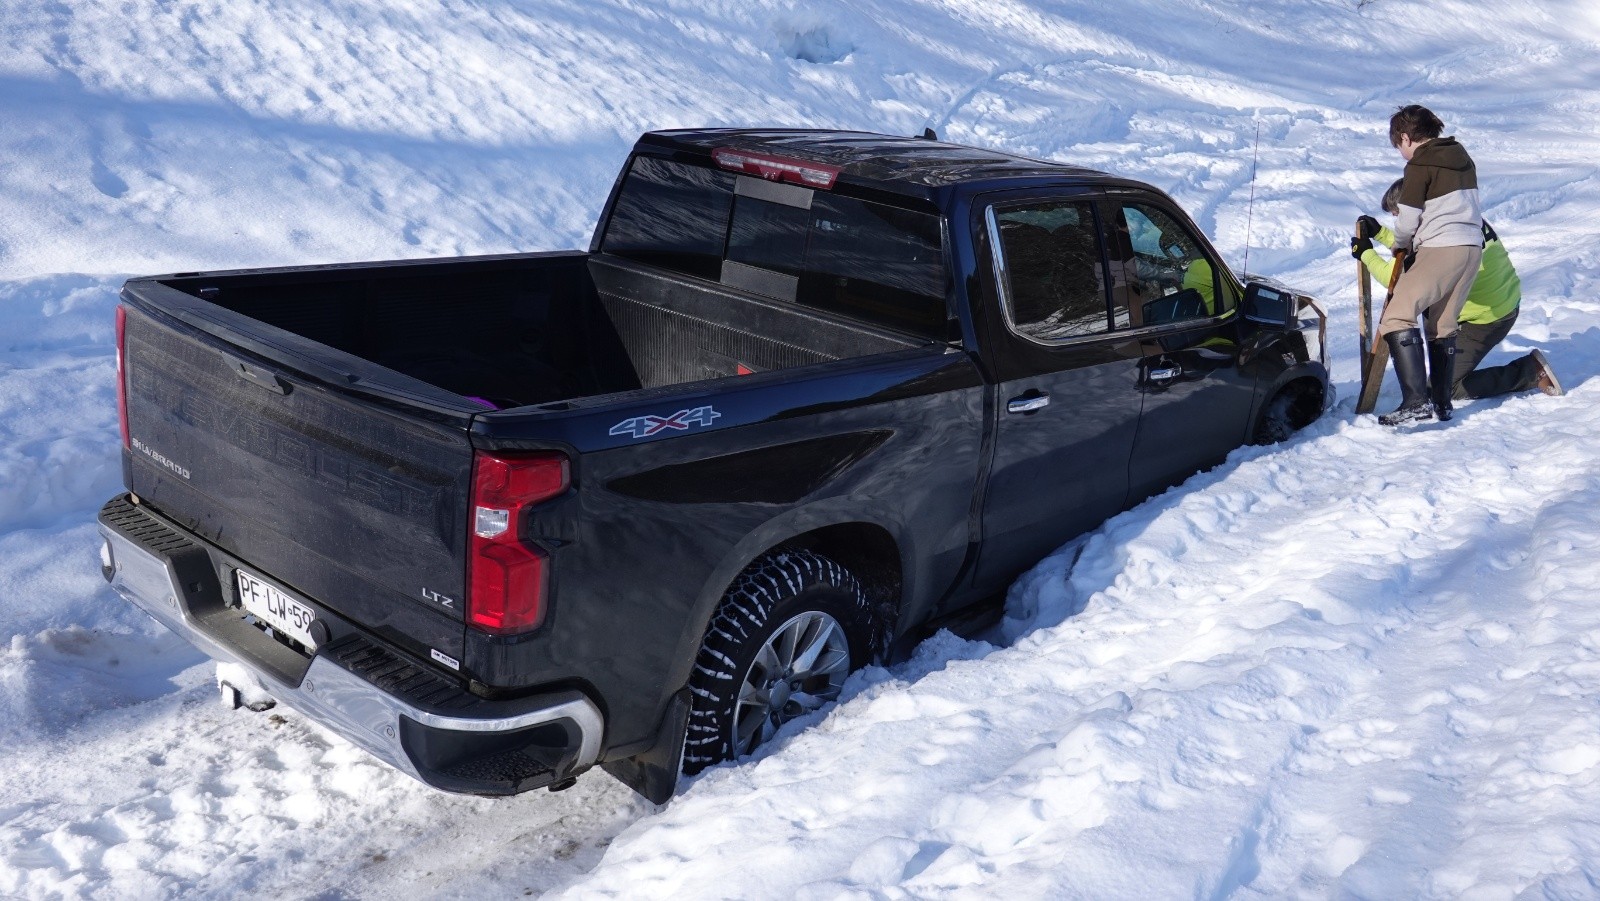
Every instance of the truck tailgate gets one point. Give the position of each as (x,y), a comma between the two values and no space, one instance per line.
(353,501)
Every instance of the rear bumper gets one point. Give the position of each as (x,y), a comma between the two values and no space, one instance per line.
(373,696)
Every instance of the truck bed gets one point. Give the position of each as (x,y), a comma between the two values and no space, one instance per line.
(532,329)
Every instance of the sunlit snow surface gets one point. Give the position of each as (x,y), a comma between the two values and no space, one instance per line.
(1360,664)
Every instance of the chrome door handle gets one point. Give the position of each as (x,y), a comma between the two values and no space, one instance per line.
(1028,404)
(1165,374)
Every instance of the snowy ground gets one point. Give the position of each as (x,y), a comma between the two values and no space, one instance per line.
(1361,664)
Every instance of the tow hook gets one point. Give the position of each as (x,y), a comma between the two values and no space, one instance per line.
(240,690)
(233,699)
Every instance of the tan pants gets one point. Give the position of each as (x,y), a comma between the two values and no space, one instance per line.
(1435,287)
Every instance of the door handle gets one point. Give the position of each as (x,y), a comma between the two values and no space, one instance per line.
(1165,374)
(1027,404)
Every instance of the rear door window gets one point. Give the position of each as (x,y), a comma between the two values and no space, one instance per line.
(1055,285)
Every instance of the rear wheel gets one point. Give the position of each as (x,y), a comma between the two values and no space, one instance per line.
(787,633)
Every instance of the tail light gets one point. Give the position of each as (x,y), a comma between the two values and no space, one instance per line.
(507,576)
(122,374)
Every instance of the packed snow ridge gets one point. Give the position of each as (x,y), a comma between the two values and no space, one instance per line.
(1358,664)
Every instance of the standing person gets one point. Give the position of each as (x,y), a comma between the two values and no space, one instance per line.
(1440,226)
(1486,318)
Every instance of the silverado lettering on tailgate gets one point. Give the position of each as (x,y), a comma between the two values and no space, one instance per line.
(159,457)
(268,441)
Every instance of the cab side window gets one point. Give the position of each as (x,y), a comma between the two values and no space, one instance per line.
(1159,272)
(1054,282)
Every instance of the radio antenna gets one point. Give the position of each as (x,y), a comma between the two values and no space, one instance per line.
(1249,211)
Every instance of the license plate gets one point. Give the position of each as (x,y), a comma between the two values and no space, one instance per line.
(276,609)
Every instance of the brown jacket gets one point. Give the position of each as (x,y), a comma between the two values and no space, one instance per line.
(1439,204)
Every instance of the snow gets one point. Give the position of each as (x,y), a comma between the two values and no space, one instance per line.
(1358,664)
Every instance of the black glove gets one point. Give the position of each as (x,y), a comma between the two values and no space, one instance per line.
(1359,246)
(1368,227)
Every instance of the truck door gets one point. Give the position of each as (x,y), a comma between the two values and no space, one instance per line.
(1069,384)
(1169,284)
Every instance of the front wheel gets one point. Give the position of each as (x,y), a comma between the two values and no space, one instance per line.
(1289,411)
(783,639)
(1275,424)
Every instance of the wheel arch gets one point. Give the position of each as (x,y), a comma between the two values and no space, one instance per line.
(872,554)
(872,550)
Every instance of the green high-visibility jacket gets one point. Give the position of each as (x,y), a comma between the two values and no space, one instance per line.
(1495,292)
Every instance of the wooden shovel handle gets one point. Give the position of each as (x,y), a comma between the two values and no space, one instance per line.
(1394,275)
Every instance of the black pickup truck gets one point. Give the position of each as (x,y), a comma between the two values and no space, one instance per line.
(809,394)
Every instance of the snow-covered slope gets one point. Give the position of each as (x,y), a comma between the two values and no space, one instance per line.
(1359,664)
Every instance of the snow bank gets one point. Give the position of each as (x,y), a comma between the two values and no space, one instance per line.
(1359,664)
(1322,669)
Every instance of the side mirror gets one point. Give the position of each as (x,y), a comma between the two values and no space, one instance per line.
(1270,306)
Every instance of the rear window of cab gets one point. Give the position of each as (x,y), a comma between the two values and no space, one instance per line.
(869,261)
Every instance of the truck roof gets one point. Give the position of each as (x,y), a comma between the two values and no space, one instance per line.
(905,165)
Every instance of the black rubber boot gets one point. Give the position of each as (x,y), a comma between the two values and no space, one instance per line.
(1410,366)
(1441,374)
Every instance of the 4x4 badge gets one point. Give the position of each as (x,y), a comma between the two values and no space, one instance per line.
(645,426)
